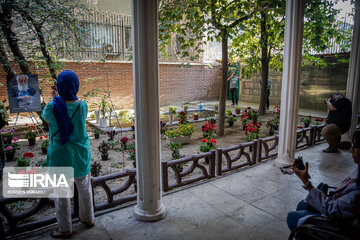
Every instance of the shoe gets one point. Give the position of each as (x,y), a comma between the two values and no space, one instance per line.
(58,234)
(328,150)
(89,224)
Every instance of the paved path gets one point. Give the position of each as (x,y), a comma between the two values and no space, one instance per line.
(249,204)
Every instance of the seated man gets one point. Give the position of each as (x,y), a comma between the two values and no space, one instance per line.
(22,92)
(338,121)
(340,203)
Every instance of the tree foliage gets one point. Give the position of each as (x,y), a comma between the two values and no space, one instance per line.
(38,30)
(194,22)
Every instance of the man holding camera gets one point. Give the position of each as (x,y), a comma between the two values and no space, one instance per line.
(338,204)
(338,121)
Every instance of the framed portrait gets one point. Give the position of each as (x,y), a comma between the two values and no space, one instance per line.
(23,93)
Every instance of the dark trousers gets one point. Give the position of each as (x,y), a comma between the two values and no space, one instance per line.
(267,98)
(234,95)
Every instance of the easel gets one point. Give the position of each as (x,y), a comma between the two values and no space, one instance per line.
(33,119)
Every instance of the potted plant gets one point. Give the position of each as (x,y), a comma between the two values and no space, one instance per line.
(95,168)
(104,107)
(175,149)
(276,120)
(172,112)
(207,145)
(237,110)
(97,116)
(244,118)
(253,114)
(182,134)
(299,134)
(10,150)
(209,130)
(104,150)
(31,135)
(306,120)
(25,160)
(182,117)
(97,133)
(131,149)
(44,144)
(270,126)
(111,134)
(200,107)
(196,116)
(251,132)
(230,119)
(185,107)
(318,121)
(6,136)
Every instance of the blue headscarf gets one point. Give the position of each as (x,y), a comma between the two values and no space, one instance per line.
(68,87)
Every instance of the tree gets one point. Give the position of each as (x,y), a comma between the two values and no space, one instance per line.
(37,30)
(261,47)
(198,21)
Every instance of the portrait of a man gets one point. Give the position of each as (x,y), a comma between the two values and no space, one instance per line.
(23,93)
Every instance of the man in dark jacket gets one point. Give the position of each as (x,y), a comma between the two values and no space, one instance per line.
(338,121)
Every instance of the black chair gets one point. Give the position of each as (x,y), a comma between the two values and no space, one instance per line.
(322,228)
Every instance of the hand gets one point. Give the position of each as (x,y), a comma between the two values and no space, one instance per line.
(302,174)
(26,98)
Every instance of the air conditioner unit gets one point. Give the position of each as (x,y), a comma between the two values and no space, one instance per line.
(108,49)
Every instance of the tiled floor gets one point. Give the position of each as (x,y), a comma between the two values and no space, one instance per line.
(249,204)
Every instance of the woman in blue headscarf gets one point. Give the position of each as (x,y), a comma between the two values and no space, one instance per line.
(70,147)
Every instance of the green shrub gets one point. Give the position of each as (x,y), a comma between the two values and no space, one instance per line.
(23,162)
(186,129)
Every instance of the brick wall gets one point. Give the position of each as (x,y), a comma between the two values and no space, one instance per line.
(177,84)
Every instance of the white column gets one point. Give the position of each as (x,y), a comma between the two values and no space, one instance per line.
(353,81)
(294,27)
(147,115)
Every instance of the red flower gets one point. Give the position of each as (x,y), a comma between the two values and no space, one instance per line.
(26,124)
(31,128)
(213,141)
(46,136)
(300,127)
(203,140)
(28,154)
(41,137)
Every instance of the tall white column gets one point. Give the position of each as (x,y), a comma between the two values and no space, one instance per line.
(294,28)
(147,115)
(353,81)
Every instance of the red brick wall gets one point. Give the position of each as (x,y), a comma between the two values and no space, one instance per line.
(177,84)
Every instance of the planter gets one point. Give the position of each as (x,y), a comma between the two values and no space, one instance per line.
(44,150)
(179,167)
(196,117)
(231,124)
(237,111)
(104,122)
(134,163)
(207,160)
(306,124)
(271,133)
(171,117)
(183,139)
(7,141)
(105,157)
(276,127)
(97,116)
(9,156)
(200,108)
(97,135)
(32,141)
